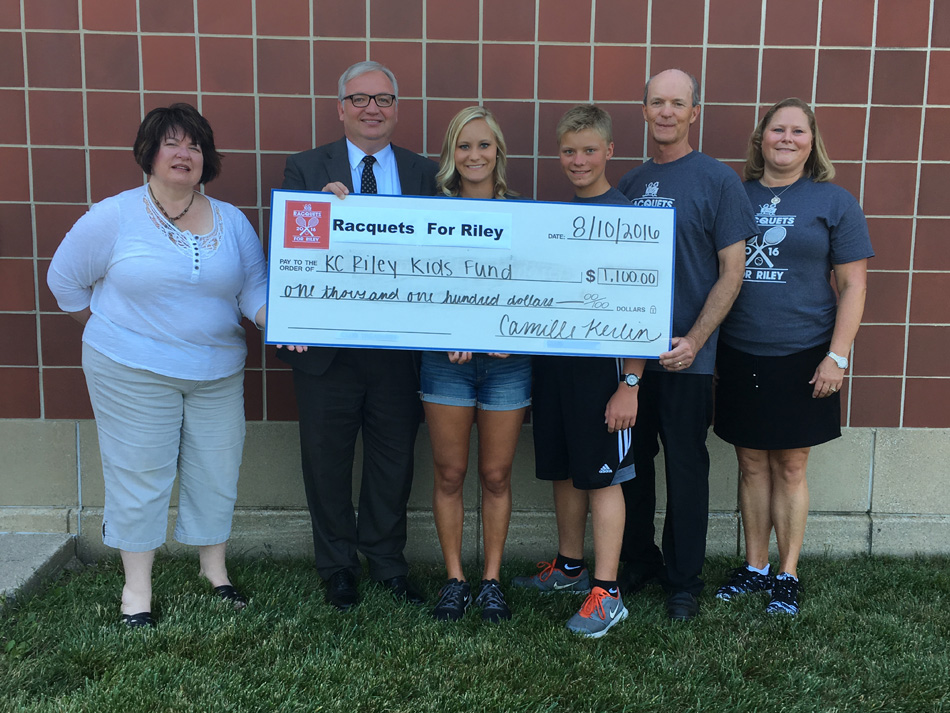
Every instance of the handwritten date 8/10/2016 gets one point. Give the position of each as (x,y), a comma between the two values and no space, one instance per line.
(616,231)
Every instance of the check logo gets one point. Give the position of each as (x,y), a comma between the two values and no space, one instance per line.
(571,567)
(614,615)
(569,585)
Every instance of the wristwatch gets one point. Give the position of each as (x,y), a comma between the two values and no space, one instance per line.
(841,361)
(630,380)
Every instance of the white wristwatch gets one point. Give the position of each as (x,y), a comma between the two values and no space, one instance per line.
(841,361)
(630,380)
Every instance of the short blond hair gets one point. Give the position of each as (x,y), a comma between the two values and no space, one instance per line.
(586,116)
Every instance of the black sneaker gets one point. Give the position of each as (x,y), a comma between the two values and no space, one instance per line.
(492,601)
(743,580)
(784,595)
(454,599)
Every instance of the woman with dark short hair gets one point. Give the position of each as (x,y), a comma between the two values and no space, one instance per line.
(783,348)
(462,388)
(160,276)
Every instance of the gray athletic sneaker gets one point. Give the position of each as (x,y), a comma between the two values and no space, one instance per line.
(492,601)
(454,599)
(598,613)
(555,579)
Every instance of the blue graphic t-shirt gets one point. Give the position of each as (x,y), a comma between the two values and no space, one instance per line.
(786,303)
(712,213)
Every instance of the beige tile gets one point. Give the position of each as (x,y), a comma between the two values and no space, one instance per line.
(839,472)
(723,475)
(270,472)
(90,464)
(36,519)
(911,471)
(721,535)
(910,535)
(533,534)
(837,535)
(38,467)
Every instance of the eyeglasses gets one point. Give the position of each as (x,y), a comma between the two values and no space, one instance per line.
(383,101)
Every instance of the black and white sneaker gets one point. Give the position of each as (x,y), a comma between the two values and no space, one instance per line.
(784,595)
(492,601)
(454,599)
(743,580)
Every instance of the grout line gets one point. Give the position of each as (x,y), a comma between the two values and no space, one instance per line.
(814,78)
(649,73)
(259,168)
(536,146)
(862,184)
(422,69)
(915,218)
(79,504)
(31,190)
(702,81)
(592,49)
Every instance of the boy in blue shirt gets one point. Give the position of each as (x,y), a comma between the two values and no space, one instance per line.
(583,412)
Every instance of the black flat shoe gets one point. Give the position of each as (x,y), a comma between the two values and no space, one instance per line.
(142,620)
(228,593)
(402,589)
(341,590)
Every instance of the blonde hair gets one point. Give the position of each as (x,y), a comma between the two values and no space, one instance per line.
(818,166)
(586,116)
(447,179)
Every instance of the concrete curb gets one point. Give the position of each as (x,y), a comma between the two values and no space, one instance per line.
(27,560)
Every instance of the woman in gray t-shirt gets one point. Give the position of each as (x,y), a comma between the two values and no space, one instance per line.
(783,348)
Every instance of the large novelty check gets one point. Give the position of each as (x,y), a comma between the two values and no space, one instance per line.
(402,272)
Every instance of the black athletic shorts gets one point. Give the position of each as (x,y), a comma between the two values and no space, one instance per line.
(569,398)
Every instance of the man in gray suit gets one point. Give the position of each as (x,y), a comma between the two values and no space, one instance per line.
(342,391)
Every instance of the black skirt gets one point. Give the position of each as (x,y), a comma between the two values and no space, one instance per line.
(766,403)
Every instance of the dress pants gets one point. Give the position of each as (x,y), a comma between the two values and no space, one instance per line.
(677,408)
(376,391)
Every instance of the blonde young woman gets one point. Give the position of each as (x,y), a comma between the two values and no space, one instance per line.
(783,349)
(459,389)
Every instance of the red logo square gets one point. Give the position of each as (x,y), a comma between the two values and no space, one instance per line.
(307,225)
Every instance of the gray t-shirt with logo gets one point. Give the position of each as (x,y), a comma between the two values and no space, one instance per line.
(787,304)
(712,213)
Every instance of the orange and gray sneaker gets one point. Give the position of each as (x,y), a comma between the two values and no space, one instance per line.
(600,611)
(555,579)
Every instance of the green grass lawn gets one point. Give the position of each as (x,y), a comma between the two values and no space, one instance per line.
(873,635)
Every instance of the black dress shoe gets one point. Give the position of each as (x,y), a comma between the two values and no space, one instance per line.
(682,606)
(228,593)
(341,590)
(636,575)
(142,620)
(400,588)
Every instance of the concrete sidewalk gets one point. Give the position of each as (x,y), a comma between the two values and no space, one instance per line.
(29,559)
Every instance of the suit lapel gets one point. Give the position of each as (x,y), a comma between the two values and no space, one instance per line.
(408,174)
(338,164)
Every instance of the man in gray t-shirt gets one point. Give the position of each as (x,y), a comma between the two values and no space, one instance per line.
(713,220)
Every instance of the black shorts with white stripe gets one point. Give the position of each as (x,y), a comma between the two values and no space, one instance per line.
(569,399)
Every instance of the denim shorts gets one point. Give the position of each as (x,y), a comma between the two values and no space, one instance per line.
(486,382)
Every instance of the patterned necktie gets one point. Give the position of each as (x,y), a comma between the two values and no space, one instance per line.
(368,182)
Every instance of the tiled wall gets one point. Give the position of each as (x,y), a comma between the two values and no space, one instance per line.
(76,78)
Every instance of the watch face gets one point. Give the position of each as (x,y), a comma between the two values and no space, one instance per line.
(631,379)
